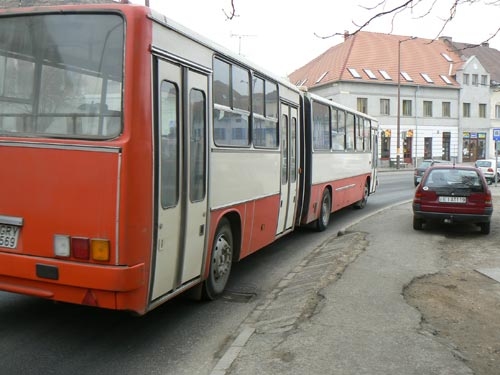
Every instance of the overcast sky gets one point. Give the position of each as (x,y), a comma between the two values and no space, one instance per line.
(279,35)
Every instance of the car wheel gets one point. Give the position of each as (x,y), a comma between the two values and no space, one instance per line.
(485,228)
(417,223)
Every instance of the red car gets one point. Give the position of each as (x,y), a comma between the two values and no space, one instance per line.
(451,193)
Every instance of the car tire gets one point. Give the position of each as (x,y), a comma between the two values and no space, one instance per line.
(417,223)
(485,228)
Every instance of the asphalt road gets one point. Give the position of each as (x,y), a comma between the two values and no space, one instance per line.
(180,337)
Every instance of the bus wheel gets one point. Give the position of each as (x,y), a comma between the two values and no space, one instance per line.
(362,202)
(324,215)
(220,261)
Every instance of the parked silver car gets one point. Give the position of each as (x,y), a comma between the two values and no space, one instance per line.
(487,166)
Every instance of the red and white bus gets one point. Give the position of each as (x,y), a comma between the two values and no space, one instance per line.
(140,160)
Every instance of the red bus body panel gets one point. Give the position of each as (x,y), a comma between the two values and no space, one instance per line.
(95,189)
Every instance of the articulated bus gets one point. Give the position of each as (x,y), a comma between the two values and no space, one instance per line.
(140,160)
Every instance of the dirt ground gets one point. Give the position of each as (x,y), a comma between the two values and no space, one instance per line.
(460,306)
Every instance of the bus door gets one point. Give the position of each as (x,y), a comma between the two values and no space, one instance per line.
(374,164)
(181,176)
(289,159)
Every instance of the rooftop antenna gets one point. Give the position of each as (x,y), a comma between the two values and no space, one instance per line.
(239,36)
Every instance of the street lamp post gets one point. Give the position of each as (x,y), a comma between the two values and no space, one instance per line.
(398,124)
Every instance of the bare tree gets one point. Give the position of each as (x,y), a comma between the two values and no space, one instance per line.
(418,9)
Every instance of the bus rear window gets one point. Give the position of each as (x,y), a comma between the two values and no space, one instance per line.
(61,75)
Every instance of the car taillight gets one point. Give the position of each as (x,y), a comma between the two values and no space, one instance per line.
(487,199)
(84,248)
(418,196)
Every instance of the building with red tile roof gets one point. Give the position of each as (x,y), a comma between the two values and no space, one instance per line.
(370,71)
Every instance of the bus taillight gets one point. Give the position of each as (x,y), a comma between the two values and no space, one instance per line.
(80,247)
(97,249)
(100,249)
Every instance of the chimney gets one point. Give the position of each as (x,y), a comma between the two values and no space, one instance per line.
(346,34)
(485,44)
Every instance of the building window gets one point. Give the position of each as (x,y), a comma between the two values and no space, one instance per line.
(427,108)
(445,79)
(370,74)
(466,111)
(446,109)
(354,72)
(482,110)
(475,81)
(466,79)
(407,76)
(407,108)
(497,111)
(385,107)
(321,77)
(426,77)
(386,75)
(484,80)
(363,105)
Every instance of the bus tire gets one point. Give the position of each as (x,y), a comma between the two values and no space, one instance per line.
(362,202)
(325,210)
(220,261)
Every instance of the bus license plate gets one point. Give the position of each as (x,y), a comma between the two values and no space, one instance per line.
(453,199)
(9,234)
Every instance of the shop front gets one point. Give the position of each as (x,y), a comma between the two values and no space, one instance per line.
(474,146)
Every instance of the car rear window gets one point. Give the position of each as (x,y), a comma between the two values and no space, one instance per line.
(483,163)
(455,178)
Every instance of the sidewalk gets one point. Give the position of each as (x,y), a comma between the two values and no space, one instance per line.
(341,311)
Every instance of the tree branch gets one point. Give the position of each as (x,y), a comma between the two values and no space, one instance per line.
(232,13)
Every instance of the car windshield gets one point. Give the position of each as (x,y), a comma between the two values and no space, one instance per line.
(455,178)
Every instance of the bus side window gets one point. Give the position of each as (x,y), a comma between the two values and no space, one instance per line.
(350,132)
(169,173)
(197,145)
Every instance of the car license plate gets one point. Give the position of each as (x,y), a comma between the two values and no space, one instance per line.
(453,199)
(9,234)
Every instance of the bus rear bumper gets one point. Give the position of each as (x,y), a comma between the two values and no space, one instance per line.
(70,281)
